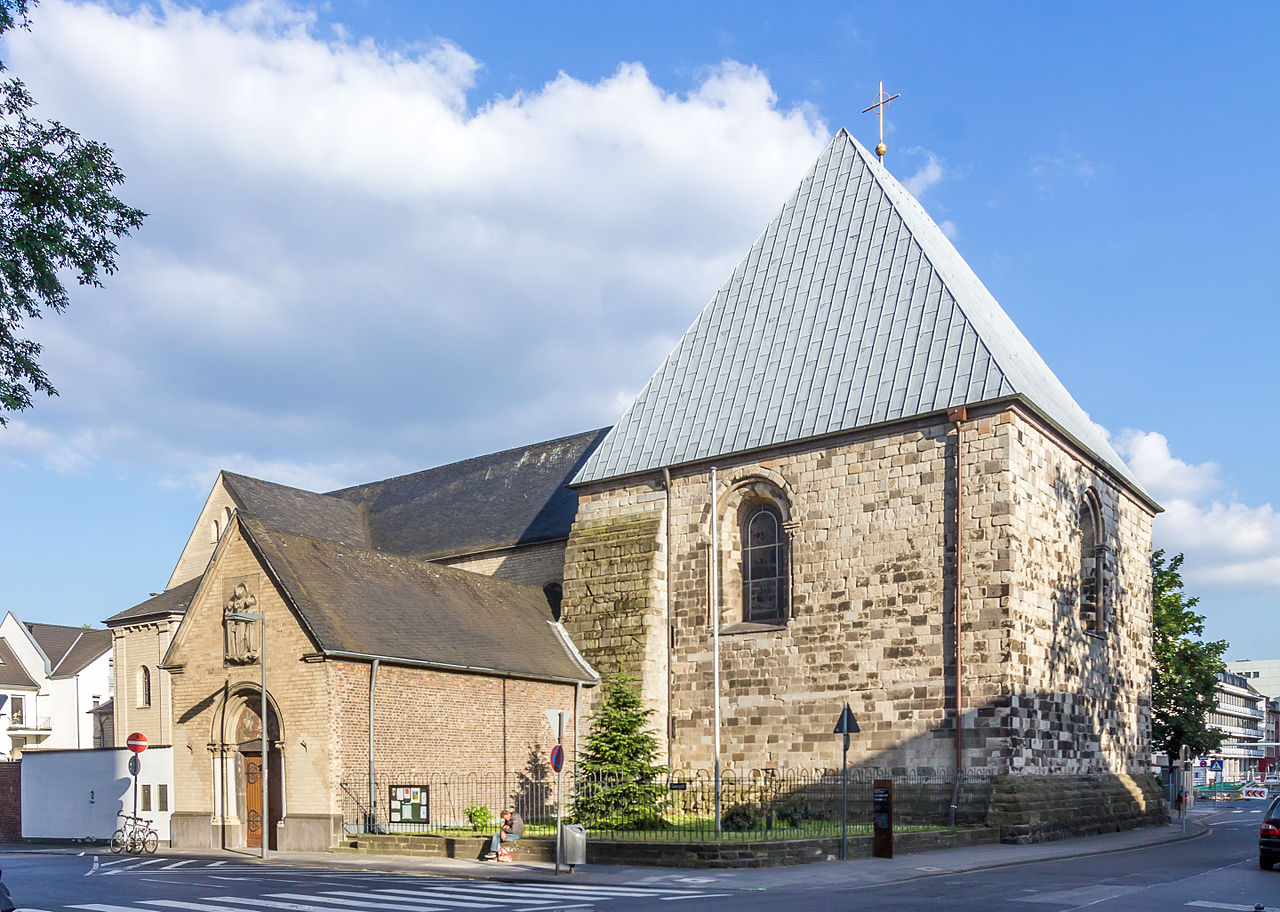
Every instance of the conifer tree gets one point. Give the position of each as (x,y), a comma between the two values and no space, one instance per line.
(619,784)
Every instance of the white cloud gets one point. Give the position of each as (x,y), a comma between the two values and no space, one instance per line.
(948,228)
(927,176)
(346,257)
(1230,546)
(1167,477)
(1066,167)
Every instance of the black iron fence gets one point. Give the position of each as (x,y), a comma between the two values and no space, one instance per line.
(763,804)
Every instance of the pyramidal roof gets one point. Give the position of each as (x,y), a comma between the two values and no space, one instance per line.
(850,310)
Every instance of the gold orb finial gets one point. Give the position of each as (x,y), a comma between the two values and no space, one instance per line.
(881,149)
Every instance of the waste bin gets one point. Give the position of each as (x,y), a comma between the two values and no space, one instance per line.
(573,844)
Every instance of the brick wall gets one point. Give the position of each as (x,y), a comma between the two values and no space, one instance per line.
(431,722)
(209,694)
(134,646)
(11,801)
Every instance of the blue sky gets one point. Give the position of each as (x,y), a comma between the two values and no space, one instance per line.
(385,236)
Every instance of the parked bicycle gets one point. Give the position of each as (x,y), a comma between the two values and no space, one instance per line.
(135,836)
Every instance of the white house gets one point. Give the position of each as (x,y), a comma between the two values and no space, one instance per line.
(51,679)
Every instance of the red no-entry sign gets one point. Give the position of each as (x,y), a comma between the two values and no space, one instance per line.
(137,742)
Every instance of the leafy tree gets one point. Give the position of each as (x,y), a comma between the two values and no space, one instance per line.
(618,782)
(57,215)
(1186,670)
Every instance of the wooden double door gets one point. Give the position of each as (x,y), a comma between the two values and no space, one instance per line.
(253,799)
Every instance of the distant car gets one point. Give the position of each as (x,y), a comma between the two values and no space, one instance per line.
(1269,838)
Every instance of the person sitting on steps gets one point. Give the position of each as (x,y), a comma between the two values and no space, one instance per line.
(512,828)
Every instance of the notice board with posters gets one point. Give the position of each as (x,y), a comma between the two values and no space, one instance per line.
(409,803)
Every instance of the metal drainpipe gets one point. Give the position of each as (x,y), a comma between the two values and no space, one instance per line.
(958,415)
(666,482)
(373,788)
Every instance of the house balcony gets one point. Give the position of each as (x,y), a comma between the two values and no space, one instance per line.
(1242,751)
(31,726)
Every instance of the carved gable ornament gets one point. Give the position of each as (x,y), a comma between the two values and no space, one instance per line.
(240,637)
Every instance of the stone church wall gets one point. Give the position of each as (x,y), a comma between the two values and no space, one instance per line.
(1079,700)
(532,565)
(870,519)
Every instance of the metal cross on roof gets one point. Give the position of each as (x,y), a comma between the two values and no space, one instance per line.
(882,102)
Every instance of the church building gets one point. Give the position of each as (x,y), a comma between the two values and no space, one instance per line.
(853,479)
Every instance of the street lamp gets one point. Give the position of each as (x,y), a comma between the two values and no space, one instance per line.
(266,729)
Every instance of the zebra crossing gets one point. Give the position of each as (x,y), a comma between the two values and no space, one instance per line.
(116,866)
(417,895)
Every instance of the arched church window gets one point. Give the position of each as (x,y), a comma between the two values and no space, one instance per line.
(1092,566)
(216,532)
(764,565)
(144,686)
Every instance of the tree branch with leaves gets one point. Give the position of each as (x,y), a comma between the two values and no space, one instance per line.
(58,215)
(1185,677)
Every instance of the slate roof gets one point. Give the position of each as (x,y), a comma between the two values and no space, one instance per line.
(368,603)
(851,309)
(304,512)
(54,639)
(171,601)
(518,496)
(12,674)
(90,645)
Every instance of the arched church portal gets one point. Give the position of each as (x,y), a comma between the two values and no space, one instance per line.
(241,768)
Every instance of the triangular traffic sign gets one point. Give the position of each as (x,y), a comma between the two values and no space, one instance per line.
(846,724)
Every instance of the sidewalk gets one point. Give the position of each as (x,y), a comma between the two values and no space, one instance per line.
(856,872)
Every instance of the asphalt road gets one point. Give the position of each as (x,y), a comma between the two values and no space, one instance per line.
(1218,871)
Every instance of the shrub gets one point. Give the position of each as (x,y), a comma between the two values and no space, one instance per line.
(741,818)
(479,816)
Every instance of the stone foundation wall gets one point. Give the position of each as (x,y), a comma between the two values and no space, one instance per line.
(1028,808)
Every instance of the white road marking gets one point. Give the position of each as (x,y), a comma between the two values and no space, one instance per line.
(177,864)
(699,896)
(103,907)
(196,907)
(1205,904)
(341,901)
(217,863)
(107,864)
(94,869)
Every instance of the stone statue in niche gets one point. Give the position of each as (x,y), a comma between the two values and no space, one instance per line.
(240,636)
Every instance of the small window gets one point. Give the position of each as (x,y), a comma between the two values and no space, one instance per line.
(162,797)
(146,797)
(1092,589)
(764,566)
(144,686)
(16,710)
(217,532)
(555,595)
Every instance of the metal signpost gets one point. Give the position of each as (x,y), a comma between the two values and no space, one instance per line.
(137,742)
(845,725)
(556,718)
